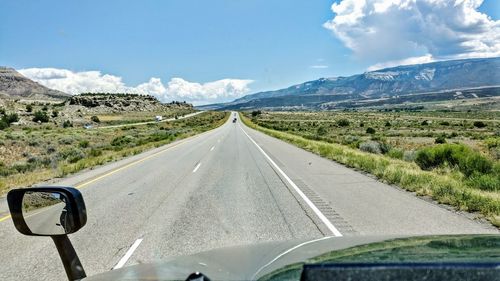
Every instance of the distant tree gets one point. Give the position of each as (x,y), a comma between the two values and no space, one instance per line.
(55,113)
(45,108)
(29,108)
(41,116)
(387,124)
(370,130)
(425,123)
(361,124)
(95,119)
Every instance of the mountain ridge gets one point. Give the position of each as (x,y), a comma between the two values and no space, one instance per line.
(379,84)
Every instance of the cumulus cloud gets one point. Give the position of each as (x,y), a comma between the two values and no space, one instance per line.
(176,89)
(399,31)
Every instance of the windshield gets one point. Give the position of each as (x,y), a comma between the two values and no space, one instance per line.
(191,126)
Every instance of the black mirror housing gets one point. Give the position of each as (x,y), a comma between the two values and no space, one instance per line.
(74,210)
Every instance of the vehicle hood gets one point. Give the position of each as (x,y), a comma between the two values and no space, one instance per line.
(248,262)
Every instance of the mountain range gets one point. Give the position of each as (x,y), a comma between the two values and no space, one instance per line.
(441,80)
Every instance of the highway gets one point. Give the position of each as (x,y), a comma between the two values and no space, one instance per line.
(229,186)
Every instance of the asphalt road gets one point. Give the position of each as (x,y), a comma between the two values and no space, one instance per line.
(230,186)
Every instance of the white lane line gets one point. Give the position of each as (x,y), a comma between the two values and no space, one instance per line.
(315,209)
(197,167)
(212,148)
(128,254)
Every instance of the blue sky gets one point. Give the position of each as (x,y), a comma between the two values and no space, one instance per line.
(273,43)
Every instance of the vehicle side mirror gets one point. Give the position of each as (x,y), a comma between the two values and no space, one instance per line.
(54,212)
(47,211)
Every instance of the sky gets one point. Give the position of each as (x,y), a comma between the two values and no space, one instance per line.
(215,51)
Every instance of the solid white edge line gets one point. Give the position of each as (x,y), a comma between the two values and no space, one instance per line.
(128,254)
(321,216)
(286,252)
(197,167)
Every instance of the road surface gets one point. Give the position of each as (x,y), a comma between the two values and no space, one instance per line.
(229,186)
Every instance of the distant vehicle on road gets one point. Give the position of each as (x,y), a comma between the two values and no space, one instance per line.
(87,126)
(234,120)
(158,118)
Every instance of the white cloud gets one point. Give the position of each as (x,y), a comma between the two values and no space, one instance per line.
(420,30)
(176,89)
(319,66)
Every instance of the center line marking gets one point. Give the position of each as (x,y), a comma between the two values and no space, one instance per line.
(197,167)
(128,254)
(212,148)
(311,205)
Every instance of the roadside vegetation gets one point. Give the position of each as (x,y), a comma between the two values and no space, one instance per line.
(453,157)
(31,154)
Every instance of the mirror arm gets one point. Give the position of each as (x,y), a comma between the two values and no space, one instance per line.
(69,258)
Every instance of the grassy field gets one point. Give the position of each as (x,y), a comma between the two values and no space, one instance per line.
(453,158)
(30,154)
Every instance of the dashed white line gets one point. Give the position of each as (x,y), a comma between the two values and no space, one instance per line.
(315,209)
(212,148)
(128,254)
(197,167)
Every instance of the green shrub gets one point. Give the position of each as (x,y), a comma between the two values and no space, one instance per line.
(467,160)
(67,124)
(72,155)
(95,119)
(479,124)
(445,123)
(488,182)
(440,140)
(122,140)
(29,108)
(84,143)
(396,153)
(55,113)
(41,116)
(343,123)
(321,131)
(425,123)
(95,152)
(370,130)
(11,118)
(3,124)
(256,113)
(388,124)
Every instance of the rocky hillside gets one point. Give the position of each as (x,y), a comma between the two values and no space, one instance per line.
(396,82)
(15,86)
(103,103)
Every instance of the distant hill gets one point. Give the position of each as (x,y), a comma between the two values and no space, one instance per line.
(397,84)
(14,85)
